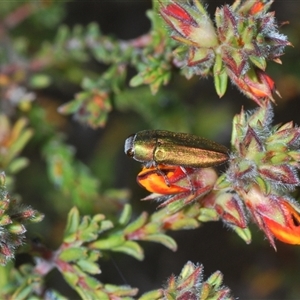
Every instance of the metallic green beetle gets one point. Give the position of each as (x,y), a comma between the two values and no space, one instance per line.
(154,147)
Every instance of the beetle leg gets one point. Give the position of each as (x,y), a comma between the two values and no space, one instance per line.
(193,190)
(159,171)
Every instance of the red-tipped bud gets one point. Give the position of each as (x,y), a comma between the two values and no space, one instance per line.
(255,84)
(245,37)
(275,215)
(192,24)
(282,174)
(228,206)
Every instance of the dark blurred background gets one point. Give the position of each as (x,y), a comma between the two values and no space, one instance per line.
(252,271)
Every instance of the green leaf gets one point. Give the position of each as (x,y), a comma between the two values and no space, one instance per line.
(61,37)
(85,223)
(37,217)
(39,81)
(2,181)
(131,248)
(93,284)
(136,80)
(23,292)
(71,176)
(17,164)
(71,277)
(162,239)
(264,185)
(88,266)
(151,228)
(137,223)
(220,76)
(186,223)
(106,225)
(16,228)
(19,144)
(90,229)
(152,295)
(243,233)
(258,61)
(126,214)
(208,214)
(72,225)
(222,182)
(90,106)
(70,107)
(121,291)
(215,279)
(73,254)
(5,220)
(93,255)
(109,243)
(88,83)
(102,295)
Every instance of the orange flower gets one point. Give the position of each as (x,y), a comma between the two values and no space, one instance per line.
(289,232)
(163,179)
(173,183)
(277,216)
(255,84)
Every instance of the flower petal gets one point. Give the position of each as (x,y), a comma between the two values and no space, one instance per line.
(290,232)
(174,183)
(161,179)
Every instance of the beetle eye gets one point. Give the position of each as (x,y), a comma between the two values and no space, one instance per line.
(130,152)
(129,145)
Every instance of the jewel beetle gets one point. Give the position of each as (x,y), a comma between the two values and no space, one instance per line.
(155,147)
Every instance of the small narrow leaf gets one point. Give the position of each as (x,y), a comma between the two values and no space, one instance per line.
(131,248)
(152,295)
(137,223)
(136,80)
(72,223)
(243,233)
(115,240)
(220,77)
(162,239)
(126,214)
(72,254)
(88,266)
(215,279)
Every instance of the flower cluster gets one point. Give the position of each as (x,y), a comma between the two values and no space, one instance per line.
(89,107)
(261,174)
(190,285)
(13,216)
(238,47)
(13,138)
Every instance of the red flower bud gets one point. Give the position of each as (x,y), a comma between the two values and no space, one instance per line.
(275,215)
